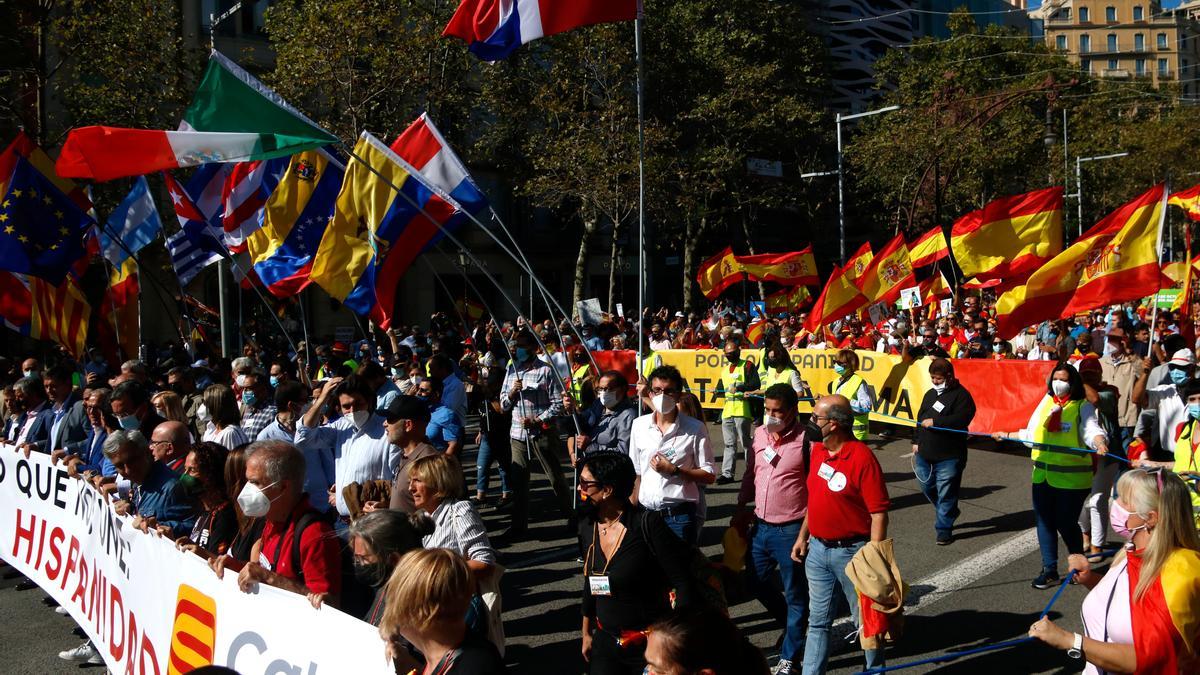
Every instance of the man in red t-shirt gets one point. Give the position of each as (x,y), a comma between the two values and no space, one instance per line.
(847,507)
(275,490)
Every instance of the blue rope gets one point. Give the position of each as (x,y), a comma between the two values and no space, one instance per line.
(978,650)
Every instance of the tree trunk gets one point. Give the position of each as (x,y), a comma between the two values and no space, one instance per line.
(612,267)
(694,229)
(589,227)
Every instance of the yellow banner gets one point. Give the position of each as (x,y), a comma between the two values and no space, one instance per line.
(897,388)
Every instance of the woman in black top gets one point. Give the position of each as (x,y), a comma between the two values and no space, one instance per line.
(939,457)
(216,523)
(249,530)
(632,563)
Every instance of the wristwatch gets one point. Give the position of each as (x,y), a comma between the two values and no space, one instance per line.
(1076,650)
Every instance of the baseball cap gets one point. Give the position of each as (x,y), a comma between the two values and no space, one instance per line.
(406,407)
(1183,357)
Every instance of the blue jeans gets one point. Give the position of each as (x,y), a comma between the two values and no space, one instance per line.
(483,462)
(771,548)
(1057,511)
(685,525)
(940,482)
(826,568)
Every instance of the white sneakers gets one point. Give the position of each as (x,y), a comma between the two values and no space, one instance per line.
(784,667)
(84,653)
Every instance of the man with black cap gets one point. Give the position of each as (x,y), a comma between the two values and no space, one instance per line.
(405,420)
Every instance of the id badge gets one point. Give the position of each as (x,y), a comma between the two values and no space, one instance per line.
(262,560)
(598,584)
(825,471)
(770,455)
(1066,426)
(938,407)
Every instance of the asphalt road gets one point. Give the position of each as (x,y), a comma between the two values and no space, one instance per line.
(974,592)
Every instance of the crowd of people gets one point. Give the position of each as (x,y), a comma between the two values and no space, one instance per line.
(336,471)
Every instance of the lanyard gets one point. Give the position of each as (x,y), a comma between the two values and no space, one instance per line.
(589,564)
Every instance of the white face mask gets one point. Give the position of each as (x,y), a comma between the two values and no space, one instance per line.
(128,423)
(609,399)
(663,404)
(359,418)
(1061,388)
(202,413)
(773,423)
(254,501)
(242,380)
(939,388)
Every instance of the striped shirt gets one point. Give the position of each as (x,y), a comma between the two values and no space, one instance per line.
(458,527)
(540,396)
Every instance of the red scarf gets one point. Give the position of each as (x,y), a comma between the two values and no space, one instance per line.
(1054,419)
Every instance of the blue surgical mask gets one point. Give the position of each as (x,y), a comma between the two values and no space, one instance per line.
(839,369)
(1194,410)
(249,398)
(274,381)
(1179,376)
(522,354)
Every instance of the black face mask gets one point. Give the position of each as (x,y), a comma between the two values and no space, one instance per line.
(813,430)
(370,574)
(732,356)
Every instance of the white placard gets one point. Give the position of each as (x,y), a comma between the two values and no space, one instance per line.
(910,297)
(589,311)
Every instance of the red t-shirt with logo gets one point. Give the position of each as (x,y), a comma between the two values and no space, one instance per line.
(320,551)
(844,490)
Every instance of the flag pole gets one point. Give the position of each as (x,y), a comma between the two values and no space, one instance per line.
(637,44)
(1162,217)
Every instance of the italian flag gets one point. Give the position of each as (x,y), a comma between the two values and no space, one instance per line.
(233,118)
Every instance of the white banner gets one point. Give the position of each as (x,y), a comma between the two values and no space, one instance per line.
(151,609)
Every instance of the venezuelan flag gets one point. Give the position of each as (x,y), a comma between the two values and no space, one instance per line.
(1010,237)
(294,221)
(376,233)
(1115,261)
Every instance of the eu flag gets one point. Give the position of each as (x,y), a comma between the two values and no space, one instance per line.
(42,231)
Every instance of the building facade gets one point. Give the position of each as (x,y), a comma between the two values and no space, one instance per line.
(1126,40)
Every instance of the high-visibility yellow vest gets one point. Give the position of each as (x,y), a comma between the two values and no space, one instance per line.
(1061,468)
(771,376)
(577,377)
(649,363)
(735,401)
(1186,460)
(849,389)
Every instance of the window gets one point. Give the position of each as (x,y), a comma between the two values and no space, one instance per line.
(1137,13)
(1162,67)
(1060,42)
(1110,14)
(1112,64)
(1087,65)
(1139,43)
(1139,66)
(1112,42)
(1085,43)
(1162,40)
(1084,15)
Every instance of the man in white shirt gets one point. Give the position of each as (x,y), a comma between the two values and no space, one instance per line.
(361,450)
(672,456)
(1166,399)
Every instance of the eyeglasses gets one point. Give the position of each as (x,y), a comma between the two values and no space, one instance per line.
(588,484)
(660,390)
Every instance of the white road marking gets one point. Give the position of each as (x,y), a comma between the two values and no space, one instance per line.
(937,586)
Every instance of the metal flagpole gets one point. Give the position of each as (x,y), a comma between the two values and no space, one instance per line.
(637,43)
(1162,218)
(223,306)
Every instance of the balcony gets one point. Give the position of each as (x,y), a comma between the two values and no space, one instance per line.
(1115,73)
(1165,74)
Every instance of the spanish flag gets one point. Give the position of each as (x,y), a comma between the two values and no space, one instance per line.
(787,300)
(119,308)
(1189,201)
(725,269)
(718,273)
(1115,261)
(889,272)
(1010,237)
(930,248)
(935,287)
(858,263)
(840,297)
(756,331)
(1165,617)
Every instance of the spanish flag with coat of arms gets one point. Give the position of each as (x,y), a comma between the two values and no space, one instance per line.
(889,273)
(724,269)
(1115,261)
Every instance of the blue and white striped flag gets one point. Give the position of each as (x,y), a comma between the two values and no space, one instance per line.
(134,222)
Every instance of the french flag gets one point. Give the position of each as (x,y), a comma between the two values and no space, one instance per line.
(493,29)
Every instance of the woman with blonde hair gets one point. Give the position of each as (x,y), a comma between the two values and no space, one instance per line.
(1143,615)
(169,406)
(427,599)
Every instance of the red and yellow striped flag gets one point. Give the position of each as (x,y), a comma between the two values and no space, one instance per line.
(718,273)
(1115,261)
(721,271)
(60,313)
(787,300)
(935,287)
(889,273)
(1011,237)
(1189,201)
(119,308)
(930,248)
(858,263)
(840,297)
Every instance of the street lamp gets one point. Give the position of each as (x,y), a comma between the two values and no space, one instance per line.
(1079,183)
(841,175)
